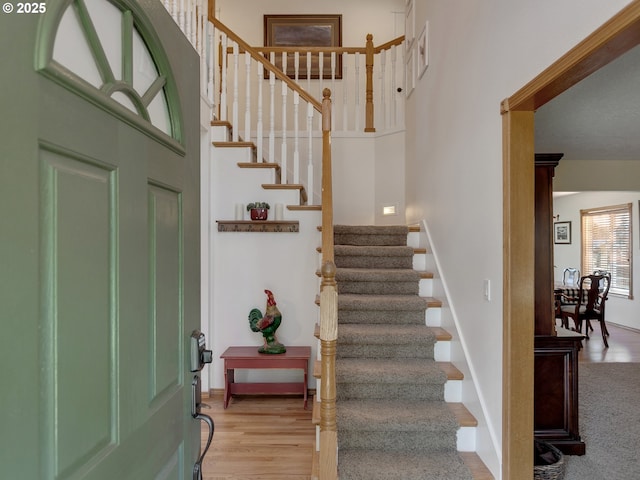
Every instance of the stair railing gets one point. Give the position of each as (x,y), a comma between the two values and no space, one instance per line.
(288,153)
(346,64)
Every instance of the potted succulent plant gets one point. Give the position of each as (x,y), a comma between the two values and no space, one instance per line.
(258,210)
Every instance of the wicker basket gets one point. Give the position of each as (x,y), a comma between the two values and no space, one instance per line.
(553,471)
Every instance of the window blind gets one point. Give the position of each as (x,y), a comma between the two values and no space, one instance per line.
(606,244)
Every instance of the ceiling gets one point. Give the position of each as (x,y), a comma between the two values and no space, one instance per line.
(598,118)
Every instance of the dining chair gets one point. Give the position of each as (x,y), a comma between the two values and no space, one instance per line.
(591,301)
(570,276)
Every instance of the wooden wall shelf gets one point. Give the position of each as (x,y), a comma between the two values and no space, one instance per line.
(279,226)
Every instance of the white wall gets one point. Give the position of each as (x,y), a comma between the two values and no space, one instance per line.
(480,52)
(359,17)
(620,310)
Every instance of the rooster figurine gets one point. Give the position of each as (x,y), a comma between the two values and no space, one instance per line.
(267,325)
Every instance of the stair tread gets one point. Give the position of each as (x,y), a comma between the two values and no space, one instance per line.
(378,334)
(422,274)
(390,371)
(450,370)
(288,186)
(259,165)
(463,415)
(397,415)
(304,207)
(383,465)
(374,250)
(234,144)
(356,301)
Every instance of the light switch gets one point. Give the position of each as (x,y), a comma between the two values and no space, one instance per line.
(487,290)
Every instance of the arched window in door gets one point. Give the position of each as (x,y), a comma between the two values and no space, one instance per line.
(106,52)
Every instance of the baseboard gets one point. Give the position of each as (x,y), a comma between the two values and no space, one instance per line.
(219,392)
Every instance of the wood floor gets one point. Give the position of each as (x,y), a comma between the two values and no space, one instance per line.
(272,438)
(624,346)
(259,438)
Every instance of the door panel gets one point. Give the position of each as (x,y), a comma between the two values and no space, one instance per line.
(165,233)
(99,268)
(77,235)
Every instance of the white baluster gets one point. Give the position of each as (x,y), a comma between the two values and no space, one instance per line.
(357,91)
(211,61)
(308,71)
(272,112)
(284,62)
(383,101)
(296,65)
(247,99)
(174,11)
(195,26)
(283,153)
(345,83)
(259,132)
(321,82)
(310,152)
(333,86)
(394,113)
(188,24)
(296,138)
(181,19)
(234,115)
(223,81)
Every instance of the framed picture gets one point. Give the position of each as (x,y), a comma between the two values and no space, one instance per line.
(562,232)
(409,25)
(305,31)
(423,50)
(409,73)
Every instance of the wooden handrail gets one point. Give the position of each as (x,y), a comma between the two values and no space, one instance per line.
(267,64)
(392,43)
(329,50)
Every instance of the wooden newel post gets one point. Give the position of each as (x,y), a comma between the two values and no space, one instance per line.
(328,344)
(328,311)
(369,105)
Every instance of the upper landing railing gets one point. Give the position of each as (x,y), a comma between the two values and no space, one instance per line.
(350,72)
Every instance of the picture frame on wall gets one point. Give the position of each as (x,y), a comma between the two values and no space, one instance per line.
(562,232)
(422,47)
(305,31)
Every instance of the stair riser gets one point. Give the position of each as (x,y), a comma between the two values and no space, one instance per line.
(379,288)
(369,240)
(384,351)
(388,391)
(398,441)
(352,261)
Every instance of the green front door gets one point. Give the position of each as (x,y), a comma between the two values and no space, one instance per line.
(99,243)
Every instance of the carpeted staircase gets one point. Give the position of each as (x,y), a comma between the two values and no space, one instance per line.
(393,422)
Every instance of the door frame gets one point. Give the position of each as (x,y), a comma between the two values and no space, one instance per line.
(605,44)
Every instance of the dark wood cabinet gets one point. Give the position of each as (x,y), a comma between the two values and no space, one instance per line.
(555,357)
